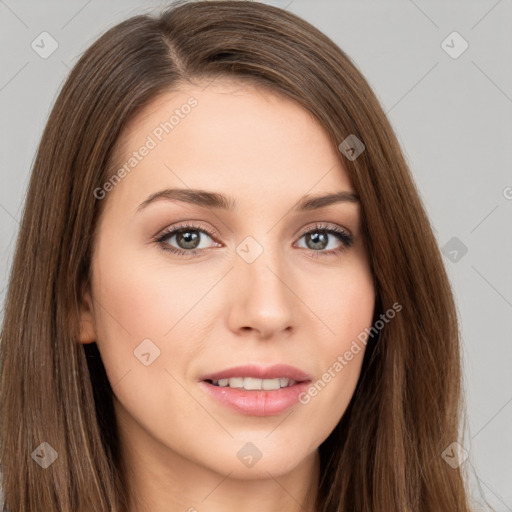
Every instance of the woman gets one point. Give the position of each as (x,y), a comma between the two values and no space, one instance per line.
(226,292)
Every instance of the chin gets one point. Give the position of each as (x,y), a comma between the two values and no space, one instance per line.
(259,458)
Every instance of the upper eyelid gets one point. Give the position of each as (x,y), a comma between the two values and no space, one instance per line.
(183,227)
(325,226)
(319,226)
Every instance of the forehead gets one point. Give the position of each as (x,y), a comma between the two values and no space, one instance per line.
(230,136)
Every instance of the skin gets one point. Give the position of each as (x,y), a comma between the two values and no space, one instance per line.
(214,311)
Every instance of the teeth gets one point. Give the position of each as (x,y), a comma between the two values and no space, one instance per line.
(251,383)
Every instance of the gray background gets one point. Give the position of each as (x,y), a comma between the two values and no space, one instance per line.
(453,118)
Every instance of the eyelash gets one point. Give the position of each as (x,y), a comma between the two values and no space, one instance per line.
(342,235)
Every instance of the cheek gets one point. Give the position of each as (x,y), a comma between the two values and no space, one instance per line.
(344,301)
(146,305)
(145,298)
(145,335)
(346,307)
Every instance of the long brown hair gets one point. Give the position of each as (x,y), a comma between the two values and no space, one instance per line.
(385,453)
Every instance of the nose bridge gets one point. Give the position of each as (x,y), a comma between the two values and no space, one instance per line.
(262,298)
(260,264)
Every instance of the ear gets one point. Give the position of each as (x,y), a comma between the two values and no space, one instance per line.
(87,332)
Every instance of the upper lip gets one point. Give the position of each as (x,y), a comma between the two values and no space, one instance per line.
(260,372)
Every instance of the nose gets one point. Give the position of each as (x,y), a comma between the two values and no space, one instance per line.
(262,298)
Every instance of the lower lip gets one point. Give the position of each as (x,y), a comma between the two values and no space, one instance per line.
(257,402)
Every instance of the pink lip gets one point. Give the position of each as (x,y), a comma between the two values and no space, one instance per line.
(257,403)
(260,372)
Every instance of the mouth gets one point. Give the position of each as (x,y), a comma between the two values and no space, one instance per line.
(253,384)
(257,391)
(253,396)
(252,375)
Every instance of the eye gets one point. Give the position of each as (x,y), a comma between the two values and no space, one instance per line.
(189,239)
(317,239)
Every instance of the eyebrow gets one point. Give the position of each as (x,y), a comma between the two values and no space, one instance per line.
(219,201)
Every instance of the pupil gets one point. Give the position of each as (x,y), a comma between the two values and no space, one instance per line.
(190,238)
(319,240)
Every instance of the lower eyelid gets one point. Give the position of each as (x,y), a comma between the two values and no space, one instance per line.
(342,236)
(171,234)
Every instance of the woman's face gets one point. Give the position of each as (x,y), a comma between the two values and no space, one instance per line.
(260,284)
